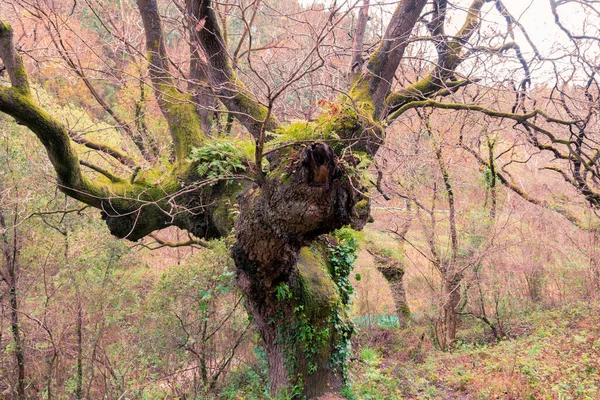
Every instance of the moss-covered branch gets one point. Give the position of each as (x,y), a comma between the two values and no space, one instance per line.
(177,107)
(450,55)
(115,153)
(53,136)
(427,87)
(520,118)
(12,60)
(382,65)
(111,177)
(132,209)
(230,90)
(185,243)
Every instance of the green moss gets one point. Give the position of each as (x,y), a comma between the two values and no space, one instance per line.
(304,131)
(249,105)
(376,59)
(285,178)
(224,214)
(362,205)
(252,107)
(360,92)
(416,91)
(316,290)
(183,119)
(349,117)
(382,244)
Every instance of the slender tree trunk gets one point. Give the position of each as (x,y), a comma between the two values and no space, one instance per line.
(451,296)
(535,284)
(78,317)
(492,182)
(79,384)
(594,262)
(451,279)
(10,249)
(19,351)
(402,308)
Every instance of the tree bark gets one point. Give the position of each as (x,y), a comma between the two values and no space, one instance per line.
(356,61)
(10,250)
(297,306)
(19,351)
(451,297)
(393,271)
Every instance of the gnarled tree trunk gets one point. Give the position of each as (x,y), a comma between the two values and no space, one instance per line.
(297,305)
(393,271)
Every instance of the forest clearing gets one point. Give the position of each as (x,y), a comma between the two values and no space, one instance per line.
(261,199)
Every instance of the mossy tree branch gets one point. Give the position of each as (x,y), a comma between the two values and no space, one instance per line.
(191,242)
(520,118)
(112,177)
(115,153)
(229,89)
(17,102)
(383,63)
(450,55)
(138,208)
(178,108)
(53,136)
(12,60)
(131,209)
(199,85)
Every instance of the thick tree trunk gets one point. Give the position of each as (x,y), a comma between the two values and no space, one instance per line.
(303,326)
(292,292)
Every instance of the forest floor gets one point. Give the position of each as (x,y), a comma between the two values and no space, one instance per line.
(548,354)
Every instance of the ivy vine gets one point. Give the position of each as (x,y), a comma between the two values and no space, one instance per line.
(342,255)
(299,332)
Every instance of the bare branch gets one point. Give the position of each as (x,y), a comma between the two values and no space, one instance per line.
(526,196)
(356,61)
(383,63)
(230,90)
(116,154)
(12,60)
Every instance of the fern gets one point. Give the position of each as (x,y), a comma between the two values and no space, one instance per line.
(218,160)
